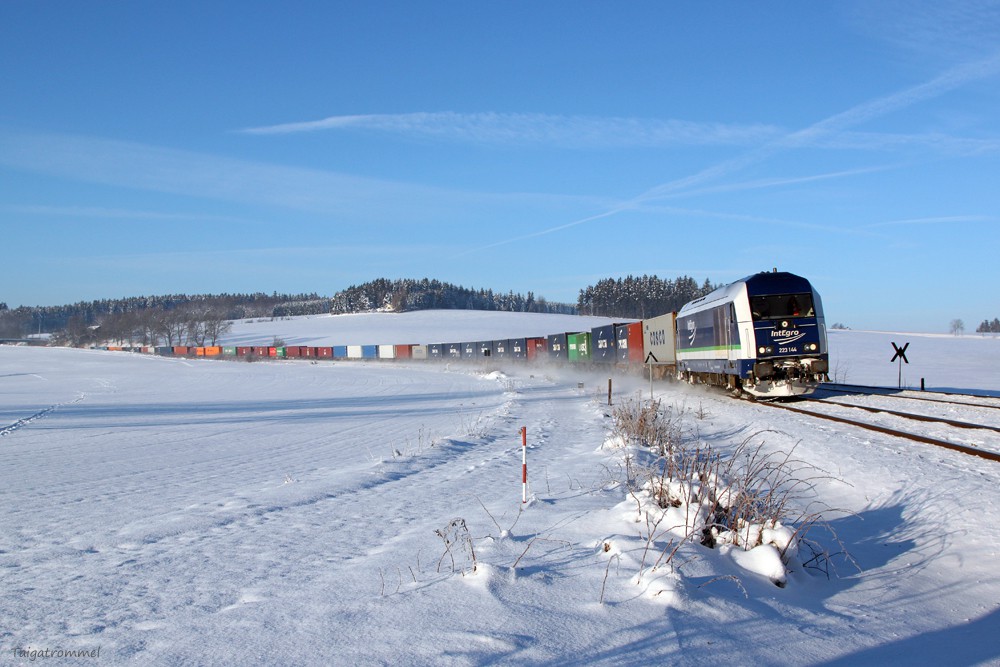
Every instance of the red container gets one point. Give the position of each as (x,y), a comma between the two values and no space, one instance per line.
(404,351)
(180,349)
(635,351)
(324,352)
(244,351)
(293,351)
(537,348)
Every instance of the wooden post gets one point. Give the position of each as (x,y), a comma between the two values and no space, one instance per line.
(524,464)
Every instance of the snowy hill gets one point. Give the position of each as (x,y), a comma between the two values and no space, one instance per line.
(420,327)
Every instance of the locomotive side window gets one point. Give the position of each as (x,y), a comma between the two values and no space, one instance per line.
(781,306)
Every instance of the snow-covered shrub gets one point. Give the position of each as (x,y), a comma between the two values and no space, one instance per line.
(686,492)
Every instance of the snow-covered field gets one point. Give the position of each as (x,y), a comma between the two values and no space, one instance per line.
(171,511)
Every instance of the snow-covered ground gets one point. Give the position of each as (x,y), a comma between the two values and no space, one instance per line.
(172,511)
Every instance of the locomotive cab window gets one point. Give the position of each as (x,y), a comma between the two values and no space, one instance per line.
(782,306)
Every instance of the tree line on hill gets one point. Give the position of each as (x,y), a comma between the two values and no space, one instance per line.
(175,319)
(640,297)
(407,294)
(181,319)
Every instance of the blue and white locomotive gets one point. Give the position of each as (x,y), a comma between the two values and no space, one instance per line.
(764,335)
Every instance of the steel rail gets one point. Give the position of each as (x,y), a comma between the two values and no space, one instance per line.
(992,456)
(909,415)
(895,393)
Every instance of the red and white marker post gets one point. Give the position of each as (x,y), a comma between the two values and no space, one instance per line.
(524,464)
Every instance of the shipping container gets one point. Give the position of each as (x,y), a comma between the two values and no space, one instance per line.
(435,351)
(501,349)
(228,351)
(628,340)
(418,352)
(558,350)
(518,349)
(273,351)
(369,351)
(453,351)
(293,351)
(386,351)
(659,344)
(537,348)
(470,350)
(602,341)
(340,352)
(213,351)
(579,346)
(484,349)
(404,351)
(166,351)
(324,352)
(353,351)
(244,351)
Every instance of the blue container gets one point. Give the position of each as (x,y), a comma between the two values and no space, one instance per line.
(435,351)
(339,351)
(369,351)
(453,350)
(484,349)
(501,349)
(469,351)
(603,344)
(518,349)
(558,349)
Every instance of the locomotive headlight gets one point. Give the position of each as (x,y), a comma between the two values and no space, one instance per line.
(812,347)
(765,350)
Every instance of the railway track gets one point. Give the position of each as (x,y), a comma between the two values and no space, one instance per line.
(971,400)
(916,437)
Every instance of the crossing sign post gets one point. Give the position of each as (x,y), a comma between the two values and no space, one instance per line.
(901,356)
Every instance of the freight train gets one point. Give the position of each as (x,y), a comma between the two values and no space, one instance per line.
(764,335)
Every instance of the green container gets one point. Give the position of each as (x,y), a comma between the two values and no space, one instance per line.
(279,351)
(579,346)
(229,351)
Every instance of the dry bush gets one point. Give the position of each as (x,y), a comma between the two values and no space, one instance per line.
(693,493)
(457,542)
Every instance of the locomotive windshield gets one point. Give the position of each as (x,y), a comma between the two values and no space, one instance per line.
(782,306)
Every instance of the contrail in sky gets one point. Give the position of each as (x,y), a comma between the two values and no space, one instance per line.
(953,78)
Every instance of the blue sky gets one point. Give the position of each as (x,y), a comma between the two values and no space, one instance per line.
(153,148)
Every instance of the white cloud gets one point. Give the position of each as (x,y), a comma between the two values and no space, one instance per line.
(956,30)
(343,197)
(532,129)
